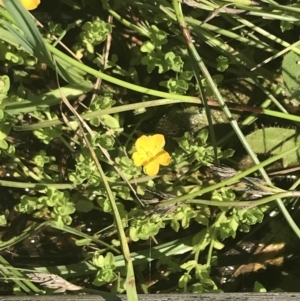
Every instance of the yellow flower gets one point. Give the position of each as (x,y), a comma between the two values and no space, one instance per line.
(150,153)
(31,4)
(28,4)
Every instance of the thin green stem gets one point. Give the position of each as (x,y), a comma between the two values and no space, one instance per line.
(229,181)
(7,271)
(245,204)
(227,112)
(114,80)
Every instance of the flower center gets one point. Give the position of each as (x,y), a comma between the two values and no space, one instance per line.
(150,154)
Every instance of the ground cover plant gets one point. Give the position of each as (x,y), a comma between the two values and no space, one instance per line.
(140,145)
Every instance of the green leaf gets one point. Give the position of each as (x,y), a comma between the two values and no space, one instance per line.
(47,134)
(67,220)
(98,259)
(3,221)
(175,224)
(95,121)
(189,265)
(202,137)
(106,141)
(41,159)
(201,239)
(250,216)
(285,25)
(158,36)
(147,47)
(223,194)
(4,87)
(104,101)
(104,276)
(84,205)
(174,62)
(82,242)
(218,245)
(183,280)
(222,63)
(291,73)
(95,32)
(133,234)
(3,144)
(228,226)
(203,216)
(202,271)
(109,261)
(275,141)
(259,288)
(186,75)
(176,86)
(65,209)
(105,204)
(47,201)
(110,121)
(28,204)
(5,128)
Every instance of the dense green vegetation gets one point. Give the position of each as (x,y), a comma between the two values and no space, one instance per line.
(145,135)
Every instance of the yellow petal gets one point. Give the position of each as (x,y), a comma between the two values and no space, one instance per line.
(150,143)
(141,143)
(156,141)
(30,4)
(163,158)
(152,168)
(139,158)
